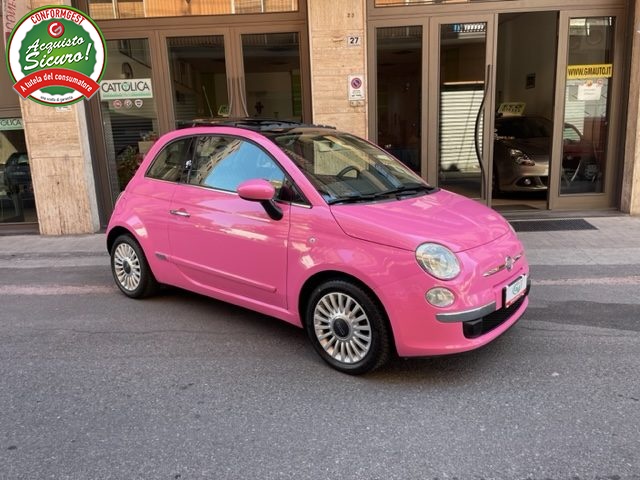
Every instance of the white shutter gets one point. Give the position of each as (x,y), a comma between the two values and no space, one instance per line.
(458,111)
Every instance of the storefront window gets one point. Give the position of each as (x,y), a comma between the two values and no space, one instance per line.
(128,108)
(199,77)
(111,9)
(17,203)
(587,104)
(399,67)
(272,75)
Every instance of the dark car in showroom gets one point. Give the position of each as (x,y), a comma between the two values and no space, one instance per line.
(521,154)
(17,174)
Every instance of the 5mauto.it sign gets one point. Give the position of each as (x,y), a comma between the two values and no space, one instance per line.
(125,89)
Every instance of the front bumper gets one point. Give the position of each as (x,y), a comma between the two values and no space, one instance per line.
(476,318)
(479,321)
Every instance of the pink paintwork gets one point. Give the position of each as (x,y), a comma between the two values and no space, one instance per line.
(230,249)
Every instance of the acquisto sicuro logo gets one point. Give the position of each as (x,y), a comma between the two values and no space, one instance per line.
(56,56)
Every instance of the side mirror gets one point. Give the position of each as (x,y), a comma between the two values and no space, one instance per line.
(259,190)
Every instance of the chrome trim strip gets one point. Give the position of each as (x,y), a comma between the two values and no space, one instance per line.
(499,268)
(467,315)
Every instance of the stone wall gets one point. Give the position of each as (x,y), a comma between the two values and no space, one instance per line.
(61,169)
(630,195)
(333,60)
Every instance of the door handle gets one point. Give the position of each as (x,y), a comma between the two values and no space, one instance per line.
(180,213)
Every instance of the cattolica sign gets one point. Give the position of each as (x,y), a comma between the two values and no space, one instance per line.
(125,89)
(10,124)
(56,56)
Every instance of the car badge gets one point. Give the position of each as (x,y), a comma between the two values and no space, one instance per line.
(508,263)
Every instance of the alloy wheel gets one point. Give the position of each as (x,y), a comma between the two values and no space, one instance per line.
(127,267)
(342,327)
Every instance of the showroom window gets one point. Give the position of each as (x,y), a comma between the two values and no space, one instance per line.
(127,108)
(17,203)
(112,9)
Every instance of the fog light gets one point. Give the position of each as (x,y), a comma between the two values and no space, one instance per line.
(440,297)
(527,181)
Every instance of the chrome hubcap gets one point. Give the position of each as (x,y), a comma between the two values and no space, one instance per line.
(127,266)
(342,327)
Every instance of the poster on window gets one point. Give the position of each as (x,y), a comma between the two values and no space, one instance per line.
(590,90)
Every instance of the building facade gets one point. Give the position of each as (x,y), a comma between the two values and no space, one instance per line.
(525,106)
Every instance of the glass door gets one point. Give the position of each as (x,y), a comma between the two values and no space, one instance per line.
(399,98)
(526,56)
(588,86)
(125,113)
(198,77)
(461,78)
(272,75)
(230,73)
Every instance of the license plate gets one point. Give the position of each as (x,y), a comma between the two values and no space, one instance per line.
(515,290)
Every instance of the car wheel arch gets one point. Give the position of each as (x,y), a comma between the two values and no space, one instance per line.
(115,232)
(327,275)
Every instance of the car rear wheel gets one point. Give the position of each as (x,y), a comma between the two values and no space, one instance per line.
(347,327)
(130,268)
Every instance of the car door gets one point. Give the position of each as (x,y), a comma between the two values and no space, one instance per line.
(221,243)
(149,198)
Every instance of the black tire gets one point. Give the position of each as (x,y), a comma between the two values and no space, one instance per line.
(130,269)
(347,346)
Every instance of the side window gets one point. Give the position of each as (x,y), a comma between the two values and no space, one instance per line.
(172,161)
(225,162)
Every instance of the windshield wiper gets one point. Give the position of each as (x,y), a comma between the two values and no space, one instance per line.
(354,199)
(404,190)
(408,190)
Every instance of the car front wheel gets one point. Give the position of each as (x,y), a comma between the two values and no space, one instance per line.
(347,327)
(130,268)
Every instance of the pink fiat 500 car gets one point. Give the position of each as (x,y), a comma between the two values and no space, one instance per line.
(323,230)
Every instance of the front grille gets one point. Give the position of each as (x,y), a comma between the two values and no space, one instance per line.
(476,328)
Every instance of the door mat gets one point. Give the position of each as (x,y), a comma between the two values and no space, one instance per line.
(551,225)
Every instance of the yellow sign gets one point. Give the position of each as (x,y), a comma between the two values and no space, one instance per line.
(575,72)
(512,109)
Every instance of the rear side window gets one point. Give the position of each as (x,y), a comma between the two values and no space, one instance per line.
(225,162)
(173,161)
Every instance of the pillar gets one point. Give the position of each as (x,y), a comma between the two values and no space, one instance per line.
(60,160)
(630,195)
(333,59)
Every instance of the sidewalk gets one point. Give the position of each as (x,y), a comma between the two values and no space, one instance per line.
(615,241)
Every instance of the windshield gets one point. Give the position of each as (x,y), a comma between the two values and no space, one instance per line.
(523,127)
(344,168)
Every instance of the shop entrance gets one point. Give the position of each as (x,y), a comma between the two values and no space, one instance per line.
(524,110)
(513,109)
(169,78)
(463,78)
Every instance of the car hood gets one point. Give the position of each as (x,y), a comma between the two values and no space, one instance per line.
(531,146)
(441,217)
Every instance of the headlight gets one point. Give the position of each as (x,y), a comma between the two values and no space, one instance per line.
(440,297)
(438,261)
(520,158)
